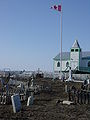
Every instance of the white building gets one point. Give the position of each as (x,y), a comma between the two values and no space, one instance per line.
(76,59)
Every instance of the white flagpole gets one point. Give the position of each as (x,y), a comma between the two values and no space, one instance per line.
(61,44)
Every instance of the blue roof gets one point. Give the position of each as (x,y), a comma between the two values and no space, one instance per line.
(66,55)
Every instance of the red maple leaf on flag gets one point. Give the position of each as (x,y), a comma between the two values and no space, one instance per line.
(56,7)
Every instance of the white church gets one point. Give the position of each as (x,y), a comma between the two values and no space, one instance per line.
(76,59)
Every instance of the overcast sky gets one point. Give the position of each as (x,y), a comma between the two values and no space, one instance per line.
(30,31)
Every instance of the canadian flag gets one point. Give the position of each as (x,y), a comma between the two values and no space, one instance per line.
(56,7)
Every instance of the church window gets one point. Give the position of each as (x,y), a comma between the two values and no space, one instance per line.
(67,64)
(76,50)
(89,64)
(58,64)
(72,50)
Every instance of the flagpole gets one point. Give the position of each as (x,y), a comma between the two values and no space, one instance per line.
(61,44)
(59,8)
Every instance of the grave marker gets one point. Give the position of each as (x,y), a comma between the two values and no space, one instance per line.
(66,88)
(16,103)
(30,100)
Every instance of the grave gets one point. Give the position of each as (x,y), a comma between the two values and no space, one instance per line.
(30,100)
(16,103)
(66,88)
(70,75)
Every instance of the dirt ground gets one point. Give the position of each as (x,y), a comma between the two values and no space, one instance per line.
(45,108)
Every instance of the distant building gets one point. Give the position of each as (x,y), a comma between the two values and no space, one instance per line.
(76,59)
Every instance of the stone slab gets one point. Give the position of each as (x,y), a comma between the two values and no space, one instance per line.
(16,103)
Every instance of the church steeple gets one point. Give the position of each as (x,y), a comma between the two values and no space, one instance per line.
(76,47)
(76,44)
(75,55)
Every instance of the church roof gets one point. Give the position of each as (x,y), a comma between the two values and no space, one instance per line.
(85,55)
(76,44)
(66,55)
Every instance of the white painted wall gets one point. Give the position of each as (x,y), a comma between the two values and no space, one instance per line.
(74,60)
(74,64)
(75,56)
(63,66)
